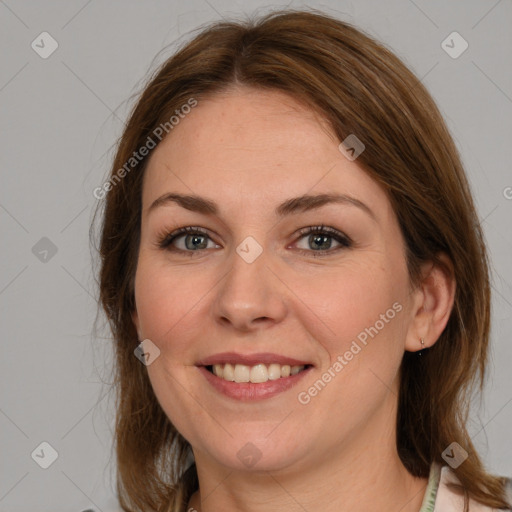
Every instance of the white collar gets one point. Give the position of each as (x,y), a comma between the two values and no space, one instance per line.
(441,498)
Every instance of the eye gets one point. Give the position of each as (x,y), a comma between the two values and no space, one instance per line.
(194,239)
(320,237)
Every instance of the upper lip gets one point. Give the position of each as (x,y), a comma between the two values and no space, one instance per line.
(250,359)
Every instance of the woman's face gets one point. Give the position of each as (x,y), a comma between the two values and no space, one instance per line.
(253,288)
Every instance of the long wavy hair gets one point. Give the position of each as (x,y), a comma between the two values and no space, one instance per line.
(359,87)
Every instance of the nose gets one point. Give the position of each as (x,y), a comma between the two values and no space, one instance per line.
(250,295)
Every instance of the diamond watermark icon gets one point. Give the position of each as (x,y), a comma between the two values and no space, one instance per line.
(146,352)
(45,455)
(454,45)
(454,455)
(44,250)
(249,454)
(44,45)
(351,147)
(249,249)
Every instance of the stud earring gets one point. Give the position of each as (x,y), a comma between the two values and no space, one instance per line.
(422,346)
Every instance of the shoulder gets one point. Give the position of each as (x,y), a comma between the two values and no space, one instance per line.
(447,500)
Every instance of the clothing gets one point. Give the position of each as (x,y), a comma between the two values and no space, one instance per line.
(440,498)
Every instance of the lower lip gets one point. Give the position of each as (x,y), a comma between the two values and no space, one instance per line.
(248,391)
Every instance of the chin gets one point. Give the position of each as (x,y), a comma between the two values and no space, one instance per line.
(255,452)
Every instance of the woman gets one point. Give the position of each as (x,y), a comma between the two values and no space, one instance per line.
(298,321)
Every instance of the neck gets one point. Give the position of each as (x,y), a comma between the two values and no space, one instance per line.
(363,473)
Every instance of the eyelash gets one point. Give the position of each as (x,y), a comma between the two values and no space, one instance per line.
(165,239)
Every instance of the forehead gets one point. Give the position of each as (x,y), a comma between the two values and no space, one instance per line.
(256,147)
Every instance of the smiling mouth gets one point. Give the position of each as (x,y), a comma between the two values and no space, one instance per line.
(256,374)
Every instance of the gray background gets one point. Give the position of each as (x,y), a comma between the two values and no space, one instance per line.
(60,117)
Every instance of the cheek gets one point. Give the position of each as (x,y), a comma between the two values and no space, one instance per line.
(167,303)
(166,299)
(352,301)
(359,322)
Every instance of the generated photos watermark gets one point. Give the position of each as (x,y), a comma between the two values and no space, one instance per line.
(304,397)
(146,352)
(137,156)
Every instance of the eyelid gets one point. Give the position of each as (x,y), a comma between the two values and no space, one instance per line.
(325,229)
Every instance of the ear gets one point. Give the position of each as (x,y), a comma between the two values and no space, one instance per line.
(432,304)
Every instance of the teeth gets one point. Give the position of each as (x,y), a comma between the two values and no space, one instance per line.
(274,371)
(242,373)
(294,370)
(259,373)
(228,373)
(256,374)
(218,370)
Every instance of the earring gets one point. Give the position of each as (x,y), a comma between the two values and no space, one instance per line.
(422,346)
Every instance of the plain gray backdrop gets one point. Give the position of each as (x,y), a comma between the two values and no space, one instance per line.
(60,115)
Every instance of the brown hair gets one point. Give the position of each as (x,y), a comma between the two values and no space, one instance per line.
(361,88)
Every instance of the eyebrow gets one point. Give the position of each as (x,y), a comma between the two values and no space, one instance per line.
(293,205)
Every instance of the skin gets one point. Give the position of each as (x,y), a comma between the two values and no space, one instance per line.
(249,150)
